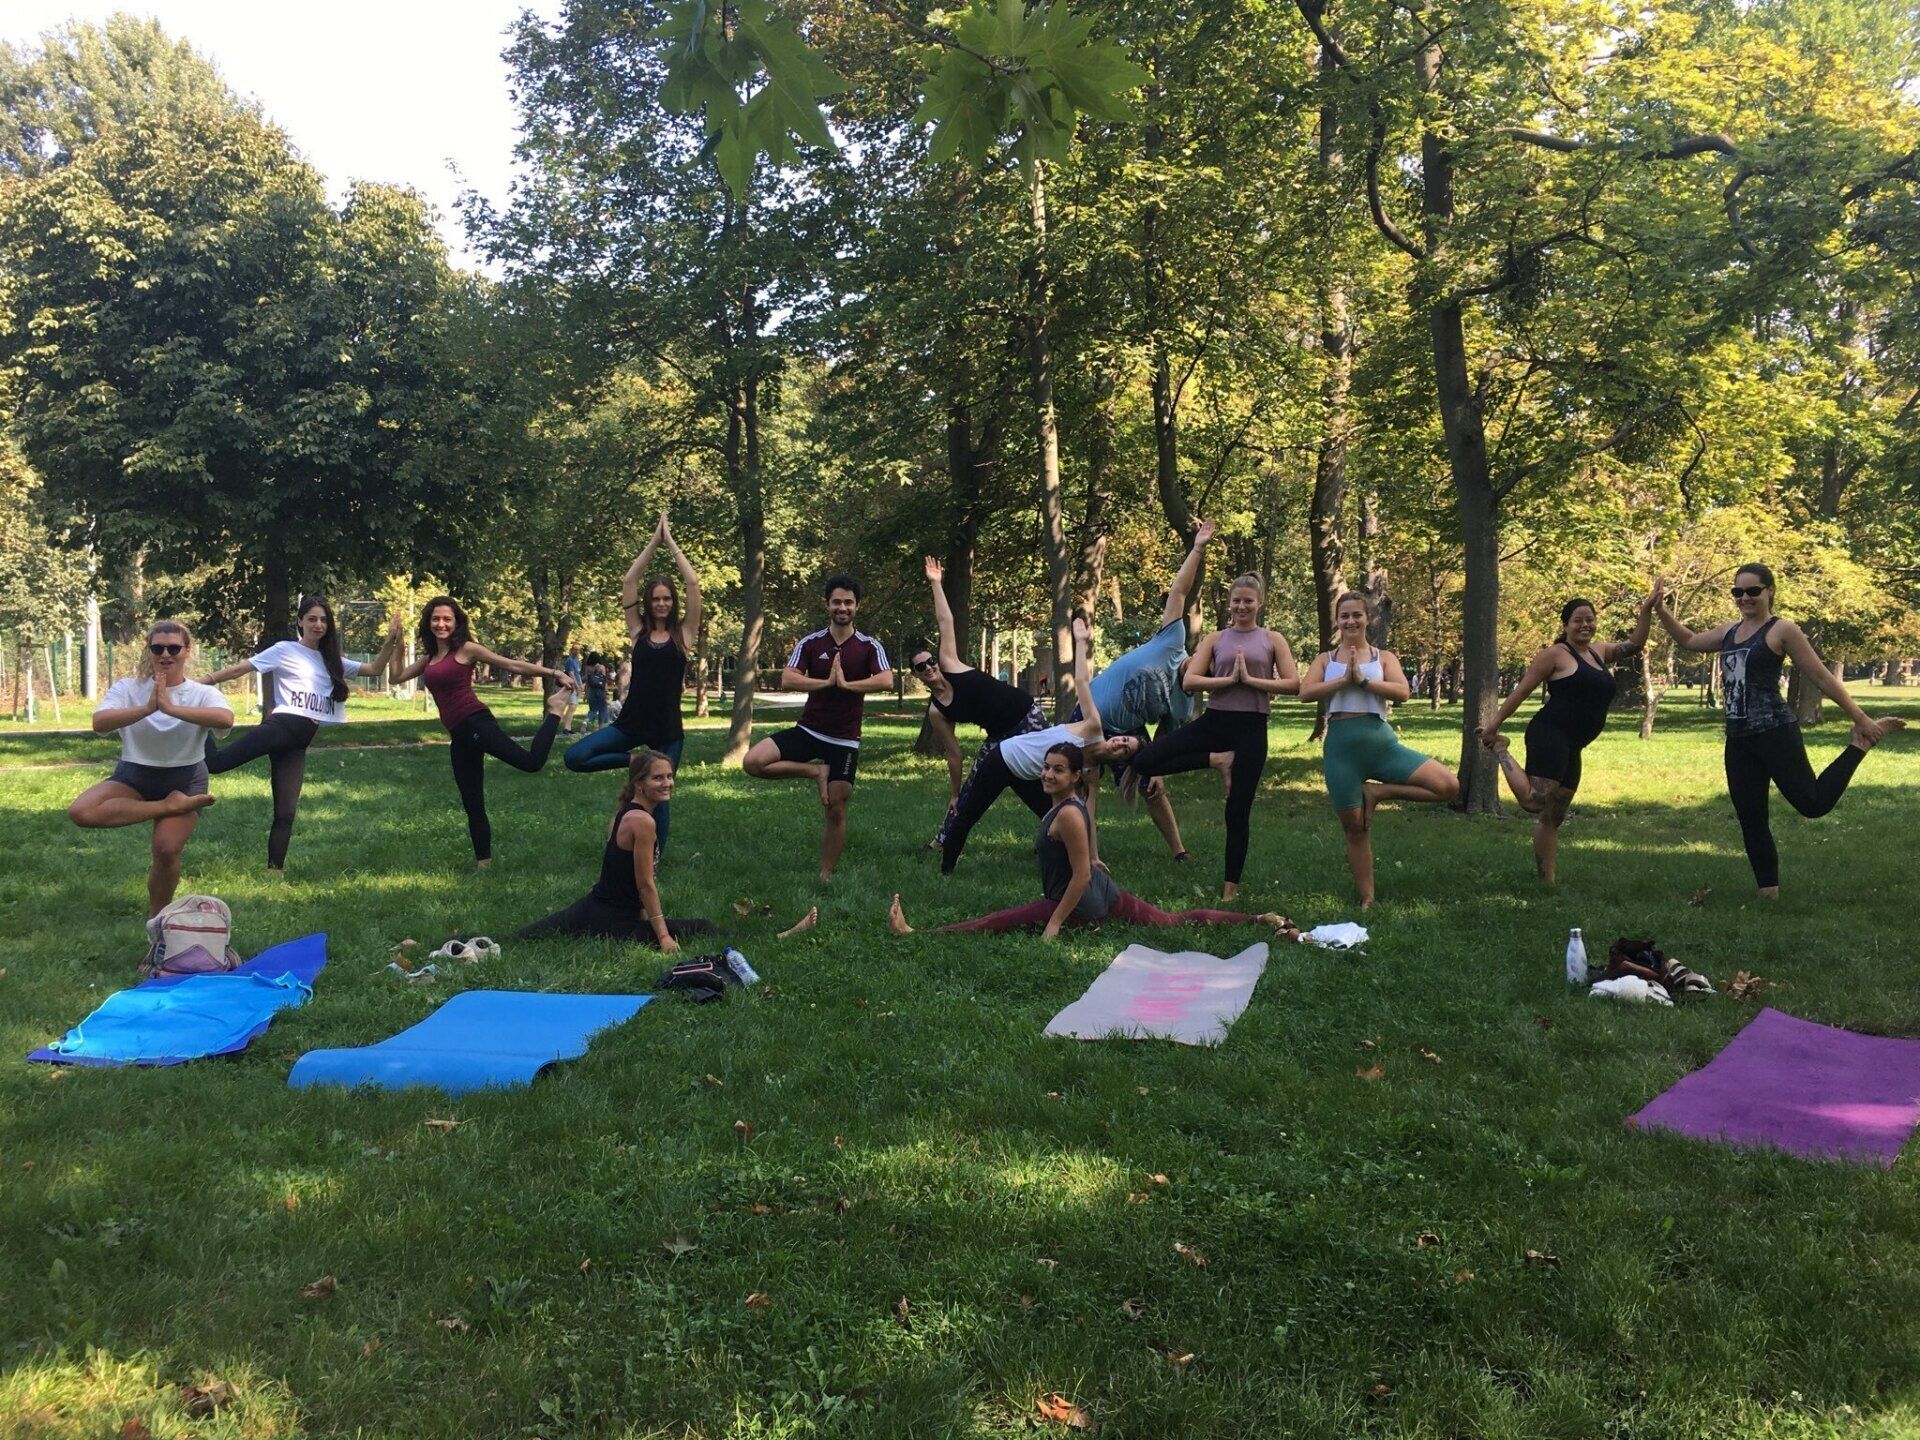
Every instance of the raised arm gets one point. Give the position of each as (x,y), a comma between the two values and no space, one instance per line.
(1070,826)
(1699,641)
(630,583)
(949,656)
(1088,726)
(384,656)
(1794,641)
(474,651)
(1617,650)
(1535,675)
(1183,578)
(690,582)
(639,828)
(229,672)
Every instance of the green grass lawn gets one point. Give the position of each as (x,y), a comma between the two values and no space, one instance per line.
(950,1216)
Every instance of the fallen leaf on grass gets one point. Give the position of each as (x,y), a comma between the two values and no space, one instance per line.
(205,1399)
(322,1289)
(1046,1263)
(1372,1072)
(29,1164)
(1699,897)
(1382,1390)
(1189,1254)
(1138,1197)
(1179,1359)
(1426,1054)
(408,943)
(839,1142)
(716,1081)
(292,1202)
(454,1324)
(434,1124)
(758,1300)
(1058,1407)
(680,1245)
(1543,1021)
(1425,1239)
(1141,1090)
(1744,985)
(743,908)
(842,1205)
(743,1129)
(1542,1259)
(367,1350)
(1055,1095)
(135,1429)
(1133,1309)
(903,1312)
(1158,1179)
(586,1264)
(1026,1302)
(1462,1277)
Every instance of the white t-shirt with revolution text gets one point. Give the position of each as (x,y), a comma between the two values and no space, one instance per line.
(165,741)
(301,685)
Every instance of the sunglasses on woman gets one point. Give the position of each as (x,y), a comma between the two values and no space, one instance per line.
(159,649)
(918,665)
(1748,592)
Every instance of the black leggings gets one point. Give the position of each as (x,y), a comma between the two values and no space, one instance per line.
(1244,732)
(984,783)
(592,916)
(1779,756)
(285,738)
(477,737)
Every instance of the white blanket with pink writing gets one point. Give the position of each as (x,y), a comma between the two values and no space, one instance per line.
(1149,995)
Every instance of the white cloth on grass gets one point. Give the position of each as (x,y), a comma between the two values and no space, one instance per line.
(1190,997)
(1343,936)
(1632,989)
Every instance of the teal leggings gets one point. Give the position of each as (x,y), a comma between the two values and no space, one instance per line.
(1362,749)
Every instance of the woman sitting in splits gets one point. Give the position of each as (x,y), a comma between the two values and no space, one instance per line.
(308,688)
(1239,669)
(1076,891)
(624,903)
(1015,762)
(163,720)
(1363,759)
(1764,746)
(1580,689)
(963,695)
(448,653)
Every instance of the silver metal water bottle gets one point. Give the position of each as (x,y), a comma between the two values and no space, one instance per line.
(1576,958)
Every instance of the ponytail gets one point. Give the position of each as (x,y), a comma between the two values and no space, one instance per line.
(637,767)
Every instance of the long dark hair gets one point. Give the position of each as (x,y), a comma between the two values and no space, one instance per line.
(462,632)
(329,646)
(1076,759)
(1566,614)
(646,605)
(638,764)
(1756,568)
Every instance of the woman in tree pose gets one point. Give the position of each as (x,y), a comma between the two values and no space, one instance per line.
(1363,760)
(448,653)
(1016,762)
(662,642)
(1141,689)
(163,720)
(308,677)
(1576,670)
(1239,669)
(1076,890)
(624,903)
(1764,745)
(963,695)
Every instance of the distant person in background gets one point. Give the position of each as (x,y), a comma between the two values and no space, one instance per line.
(662,639)
(307,679)
(163,720)
(448,654)
(570,663)
(597,681)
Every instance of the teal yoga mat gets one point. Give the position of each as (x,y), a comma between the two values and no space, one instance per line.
(479,1040)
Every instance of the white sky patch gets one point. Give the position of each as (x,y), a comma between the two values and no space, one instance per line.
(397,92)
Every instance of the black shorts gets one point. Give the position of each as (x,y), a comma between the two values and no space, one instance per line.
(156,782)
(1552,754)
(842,761)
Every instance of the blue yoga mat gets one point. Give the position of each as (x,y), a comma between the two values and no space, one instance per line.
(178,1018)
(477,1040)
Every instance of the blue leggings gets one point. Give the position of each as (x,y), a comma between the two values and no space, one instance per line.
(608,749)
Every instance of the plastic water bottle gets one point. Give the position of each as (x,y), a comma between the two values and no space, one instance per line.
(749,976)
(1576,958)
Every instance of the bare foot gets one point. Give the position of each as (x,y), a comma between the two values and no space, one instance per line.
(1868,736)
(483,864)
(1229,889)
(897,919)
(557,704)
(1369,799)
(182,804)
(1366,902)
(1282,926)
(1222,760)
(806,923)
(820,779)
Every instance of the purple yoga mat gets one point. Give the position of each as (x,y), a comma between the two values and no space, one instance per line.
(1811,1090)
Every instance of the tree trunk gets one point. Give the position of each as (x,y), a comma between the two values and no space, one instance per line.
(743,473)
(1649,697)
(1336,382)
(277,606)
(1047,445)
(1375,586)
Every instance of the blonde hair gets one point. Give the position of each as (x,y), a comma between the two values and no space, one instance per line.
(1249,581)
(144,669)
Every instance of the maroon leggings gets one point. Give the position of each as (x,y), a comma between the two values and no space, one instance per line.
(1127,909)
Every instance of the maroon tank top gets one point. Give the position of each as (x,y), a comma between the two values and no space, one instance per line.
(450,682)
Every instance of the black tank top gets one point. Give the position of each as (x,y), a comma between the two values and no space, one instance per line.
(1578,703)
(616,885)
(651,711)
(1056,868)
(1750,683)
(985,700)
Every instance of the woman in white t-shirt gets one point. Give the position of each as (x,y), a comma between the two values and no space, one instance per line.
(308,690)
(163,720)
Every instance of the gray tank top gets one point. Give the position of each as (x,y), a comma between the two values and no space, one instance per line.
(1056,870)
(1257,646)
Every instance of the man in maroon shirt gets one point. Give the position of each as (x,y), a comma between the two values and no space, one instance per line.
(835,668)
